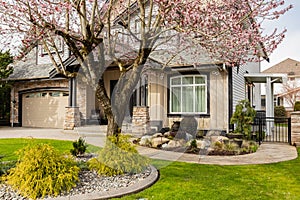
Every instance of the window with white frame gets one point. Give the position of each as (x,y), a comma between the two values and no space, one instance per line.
(188,94)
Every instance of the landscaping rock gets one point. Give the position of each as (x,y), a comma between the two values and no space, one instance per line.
(213,133)
(202,144)
(156,142)
(188,137)
(176,143)
(167,134)
(221,139)
(146,140)
(157,135)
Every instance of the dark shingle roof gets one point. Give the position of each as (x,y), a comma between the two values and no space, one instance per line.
(288,66)
(27,68)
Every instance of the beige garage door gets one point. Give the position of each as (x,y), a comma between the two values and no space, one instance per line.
(44,109)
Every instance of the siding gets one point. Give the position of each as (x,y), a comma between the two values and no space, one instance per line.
(238,85)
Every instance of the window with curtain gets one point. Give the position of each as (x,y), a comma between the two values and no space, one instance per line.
(188,94)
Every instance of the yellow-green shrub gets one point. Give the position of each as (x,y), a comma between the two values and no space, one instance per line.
(119,156)
(42,171)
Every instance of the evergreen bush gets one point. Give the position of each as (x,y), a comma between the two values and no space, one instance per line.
(79,147)
(279,111)
(297,106)
(42,170)
(118,156)
(243,117)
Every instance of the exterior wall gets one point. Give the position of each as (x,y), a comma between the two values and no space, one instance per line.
(157,98)
(82,96)
(239,85)
(24,86)
(217,117)
(108,76)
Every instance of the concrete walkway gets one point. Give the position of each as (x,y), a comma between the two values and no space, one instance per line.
(95,135)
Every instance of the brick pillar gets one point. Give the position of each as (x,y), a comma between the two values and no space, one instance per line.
(295,126)
(140,120)
(72,118)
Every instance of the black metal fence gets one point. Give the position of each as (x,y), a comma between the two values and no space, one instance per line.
(272,129)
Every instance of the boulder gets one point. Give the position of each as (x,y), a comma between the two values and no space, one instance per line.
(167,134)
(221,139)
(157,135)
(188,137)
(158,141)
(146,140)
(203,144)
(213,133)
(176,143)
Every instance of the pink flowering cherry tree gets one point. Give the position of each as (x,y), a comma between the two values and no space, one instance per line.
(100,33)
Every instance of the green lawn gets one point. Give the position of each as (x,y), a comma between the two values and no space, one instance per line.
(8,147)
(192,181)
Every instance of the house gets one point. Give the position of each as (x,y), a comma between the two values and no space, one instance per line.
(207,91)
(286,94)
(201,87)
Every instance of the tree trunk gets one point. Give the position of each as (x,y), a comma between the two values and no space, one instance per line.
(105,104)
(122,93)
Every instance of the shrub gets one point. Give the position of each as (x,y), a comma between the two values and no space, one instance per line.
(219,145)
(279,111)
(193,144)
(118,156)
(79,147)
(243,117)
(297,106)
(42,171)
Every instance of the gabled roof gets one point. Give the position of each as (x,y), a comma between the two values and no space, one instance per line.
(288,66)
(27,68)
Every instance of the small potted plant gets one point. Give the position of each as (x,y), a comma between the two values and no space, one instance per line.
(243,118)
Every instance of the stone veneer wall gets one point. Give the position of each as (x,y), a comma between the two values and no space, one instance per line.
(72,118)
(140,120)
(295,123)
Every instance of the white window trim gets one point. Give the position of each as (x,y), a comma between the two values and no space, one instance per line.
(194,86)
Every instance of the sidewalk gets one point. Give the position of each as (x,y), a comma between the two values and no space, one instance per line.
(95,135)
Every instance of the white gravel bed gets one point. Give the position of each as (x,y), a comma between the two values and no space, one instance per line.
(90,182)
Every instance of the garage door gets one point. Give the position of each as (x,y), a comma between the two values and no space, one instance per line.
(44,109)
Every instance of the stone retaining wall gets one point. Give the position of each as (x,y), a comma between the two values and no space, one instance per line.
(295,126)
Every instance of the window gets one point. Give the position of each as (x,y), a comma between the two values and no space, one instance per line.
(188,94)
(54,94)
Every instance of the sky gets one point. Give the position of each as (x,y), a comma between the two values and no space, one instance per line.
(290,47)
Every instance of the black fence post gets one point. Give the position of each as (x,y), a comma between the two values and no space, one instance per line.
(259,130)
(289,131)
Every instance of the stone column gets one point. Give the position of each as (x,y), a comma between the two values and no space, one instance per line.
(295,126)
(140,120)
(72,118)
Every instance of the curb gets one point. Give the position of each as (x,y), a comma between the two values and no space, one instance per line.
(115,193)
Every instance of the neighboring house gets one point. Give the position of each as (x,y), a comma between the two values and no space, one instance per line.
(286,94)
